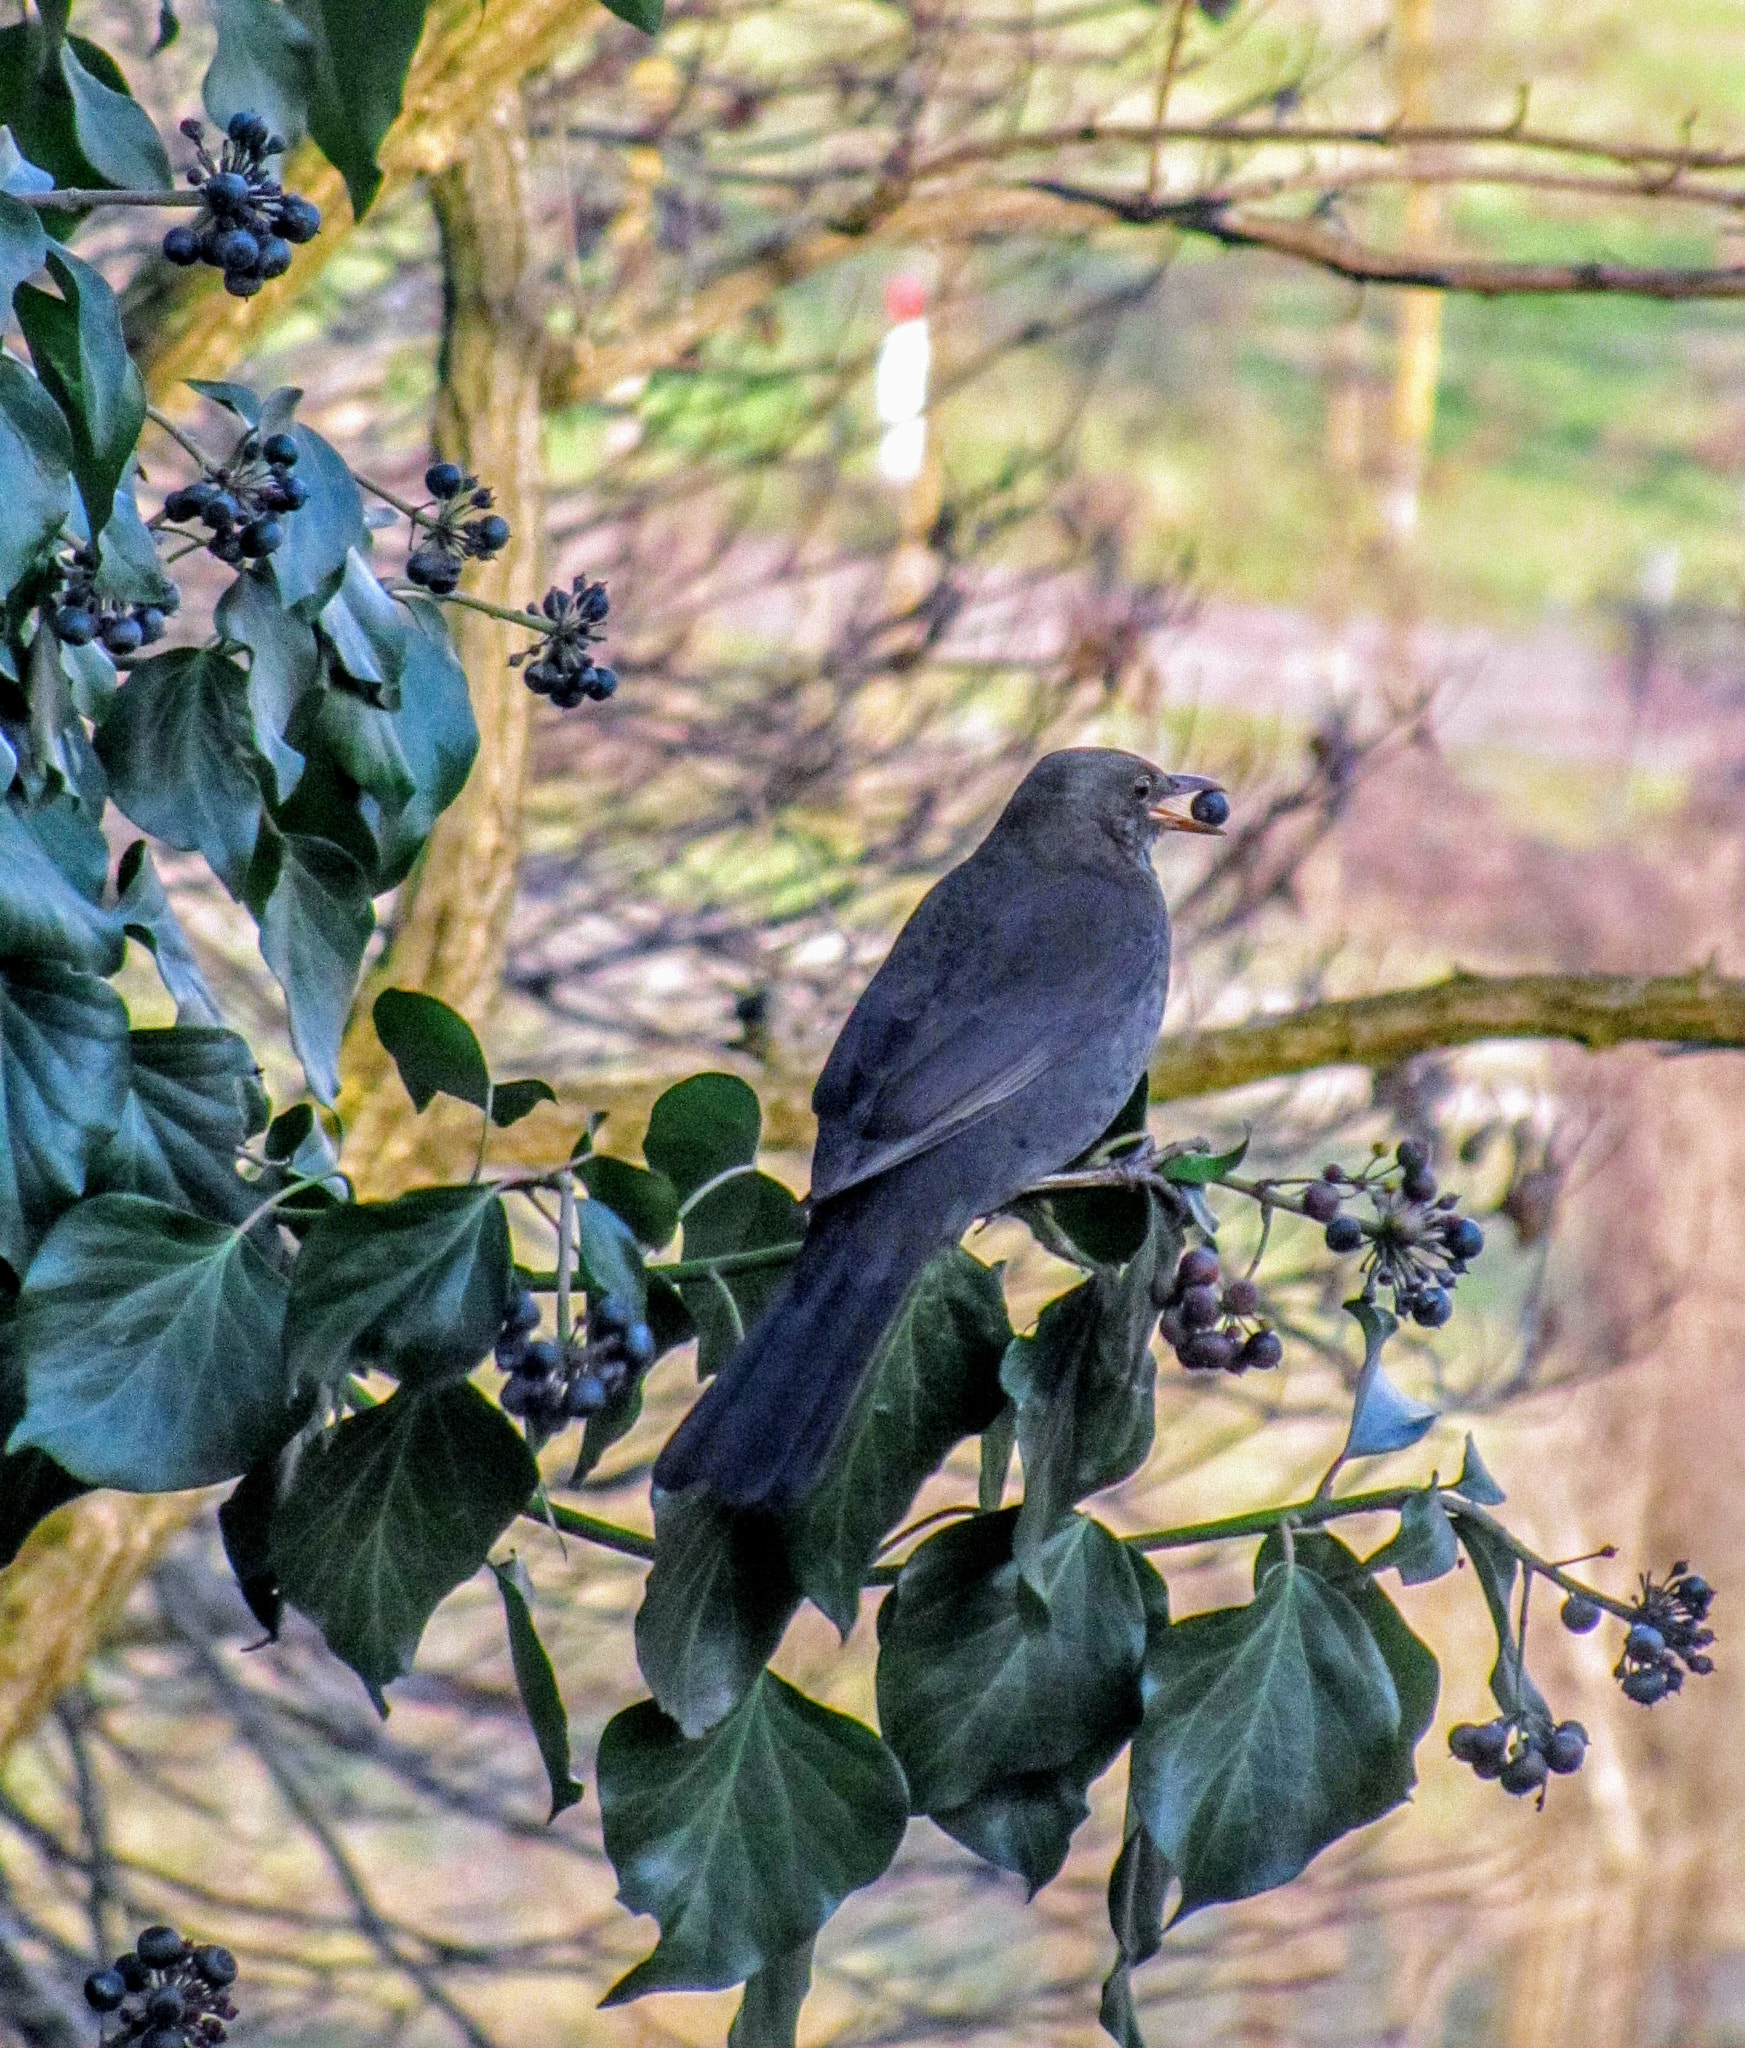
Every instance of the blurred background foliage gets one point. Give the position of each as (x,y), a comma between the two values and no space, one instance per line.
(1448,590)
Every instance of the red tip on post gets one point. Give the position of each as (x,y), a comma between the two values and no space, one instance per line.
(905,298)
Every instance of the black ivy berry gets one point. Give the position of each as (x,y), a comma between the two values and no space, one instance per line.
(1565,1747)
(1210,807)
(1580,1615)
(1321,1201)
(160,1946)
(104,1990)
(559,665)
(1344,1234)
(1669,1636)
(445,480)
(215,1965)
(1524,1773)
(247,222)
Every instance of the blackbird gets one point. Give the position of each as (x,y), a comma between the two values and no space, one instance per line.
(1009,1023)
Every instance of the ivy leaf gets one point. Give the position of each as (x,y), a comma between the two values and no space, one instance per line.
(1382,1418)
(416,1287)
(935,1381)
(643,14)
(193,1096)
(1084,1387)
(437,738)
(32,1485)
(1424,1547)
(23,244)
(1272,1729)
(315,919)
(1137,1888)
(743,1842)
(362,51)
(284,665)
(702,1128)
(146,915)
(1498,1568)
(648,1202)
(1475,1481)
(245,1524)
(36,458)
(265,61)
(367,631)
(769,2013)
(387,1513)
(537,1684)
(434,1048)
(747,1213)
(1199,1169)
(114,130)
(150,1346)
(310,564)
(36,105)
(512,1100)
(1000,1712)
(80,353)
(63,1082)
(128,568)
(45,913)
(177,742)
(718,1601)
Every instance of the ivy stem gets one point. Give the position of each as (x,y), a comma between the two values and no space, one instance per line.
(272,1202)
(566,1237)
(393,498)
(524,619)
(77,198)
(189,446)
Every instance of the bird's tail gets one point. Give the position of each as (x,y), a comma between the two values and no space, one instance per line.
(759,1435)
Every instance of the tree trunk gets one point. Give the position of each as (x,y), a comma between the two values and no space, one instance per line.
(451,923)
(62,1592)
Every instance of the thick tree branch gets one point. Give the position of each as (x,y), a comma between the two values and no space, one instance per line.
(1703,1009)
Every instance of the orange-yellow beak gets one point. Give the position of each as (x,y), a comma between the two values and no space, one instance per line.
(1189,786)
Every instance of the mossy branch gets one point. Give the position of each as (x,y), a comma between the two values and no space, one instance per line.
(1699,1010)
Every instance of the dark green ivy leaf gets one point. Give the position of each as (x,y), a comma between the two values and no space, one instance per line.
(315,918)
(537,1684)
(150,1346)
(80,353)
(1382,1418)
(437,737)
(702,1128)
(643,14)
(128,568)
(23,245)
(146,915)
(310,565)
(178,744)
(245,1523)
(36,105)
(32,1485)
(193,1097)
(1197,1169)
(283,667)
(386,1514)
(1475,1481)
(512,1100)
(1424,1547)
(47,912)
(1003,1709)
(1498,1569)
(264,61)
(114,130)
(36,458)
(366,632)
(63,1082)
(434,1048)
(1272,1729)
(647,1201)
(718,1600)
(935,1381)
(416,1287)
(769,2013)
(1084,1387)
(744,1842)
(1137,1888)
(362,51)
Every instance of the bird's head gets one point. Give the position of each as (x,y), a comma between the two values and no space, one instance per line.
(1123,796)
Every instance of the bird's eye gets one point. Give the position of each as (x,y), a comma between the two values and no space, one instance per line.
(1142,788)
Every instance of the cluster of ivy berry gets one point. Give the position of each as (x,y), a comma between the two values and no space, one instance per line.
(450,537)
(80,615)
(165,1992)
(242,503)
(1669,1634)
(1418,1244)
(561,665)
(1520,1751)
(1213,1325)
(248,221)
(552,1384)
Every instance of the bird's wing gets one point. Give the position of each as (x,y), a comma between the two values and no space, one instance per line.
(991,983)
